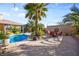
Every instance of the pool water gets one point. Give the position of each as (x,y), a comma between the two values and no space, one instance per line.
(17,38)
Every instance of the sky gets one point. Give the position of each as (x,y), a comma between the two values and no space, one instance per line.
(16,12)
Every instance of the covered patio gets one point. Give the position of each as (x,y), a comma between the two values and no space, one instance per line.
(6,24)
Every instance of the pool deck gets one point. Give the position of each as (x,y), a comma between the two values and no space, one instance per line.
(49,47)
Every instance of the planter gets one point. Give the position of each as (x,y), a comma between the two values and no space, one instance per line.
(35,38)
(4,42)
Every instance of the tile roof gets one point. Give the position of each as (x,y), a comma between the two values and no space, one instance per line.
(9,22)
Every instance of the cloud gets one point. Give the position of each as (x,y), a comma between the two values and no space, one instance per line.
(15,9)
(4,13)
(21,15)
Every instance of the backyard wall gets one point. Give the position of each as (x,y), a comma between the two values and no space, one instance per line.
(66,29)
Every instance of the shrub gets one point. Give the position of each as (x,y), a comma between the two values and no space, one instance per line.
(16,31)
(2,35)
(41,33)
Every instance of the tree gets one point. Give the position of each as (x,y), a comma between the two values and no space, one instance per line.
(73,17)
(31,28)
(35,12)
(41,29)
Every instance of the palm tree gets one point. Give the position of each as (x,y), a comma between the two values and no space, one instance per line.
(41,29)
(30,26)
(73,17)
(36,11)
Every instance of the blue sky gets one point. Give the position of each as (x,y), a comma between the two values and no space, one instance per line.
(55,13)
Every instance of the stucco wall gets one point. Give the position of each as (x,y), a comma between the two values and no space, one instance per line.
(66,29)
(1,27)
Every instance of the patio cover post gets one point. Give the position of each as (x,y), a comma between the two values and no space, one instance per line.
(20,28)
(23,28)
(5,29)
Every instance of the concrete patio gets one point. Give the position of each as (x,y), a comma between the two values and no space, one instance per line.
(68,47)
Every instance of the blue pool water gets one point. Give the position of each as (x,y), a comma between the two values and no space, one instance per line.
(17,38)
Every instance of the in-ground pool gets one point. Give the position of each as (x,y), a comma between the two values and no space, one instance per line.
(17,38)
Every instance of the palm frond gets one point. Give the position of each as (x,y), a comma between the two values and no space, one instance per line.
(45,9)
(66,20)
(74,9)
(27,15)
(43,14)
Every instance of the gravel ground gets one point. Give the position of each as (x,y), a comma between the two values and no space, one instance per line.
(68,47)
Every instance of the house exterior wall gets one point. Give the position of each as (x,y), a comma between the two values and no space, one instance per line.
(1,27)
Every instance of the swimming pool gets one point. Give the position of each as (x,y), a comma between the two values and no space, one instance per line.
(17,38)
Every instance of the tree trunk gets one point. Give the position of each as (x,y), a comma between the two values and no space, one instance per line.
(36,23)
(36,27)
(36,31)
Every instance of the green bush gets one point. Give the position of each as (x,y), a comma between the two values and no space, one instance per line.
(16,31)
(2,35)
(41,33)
